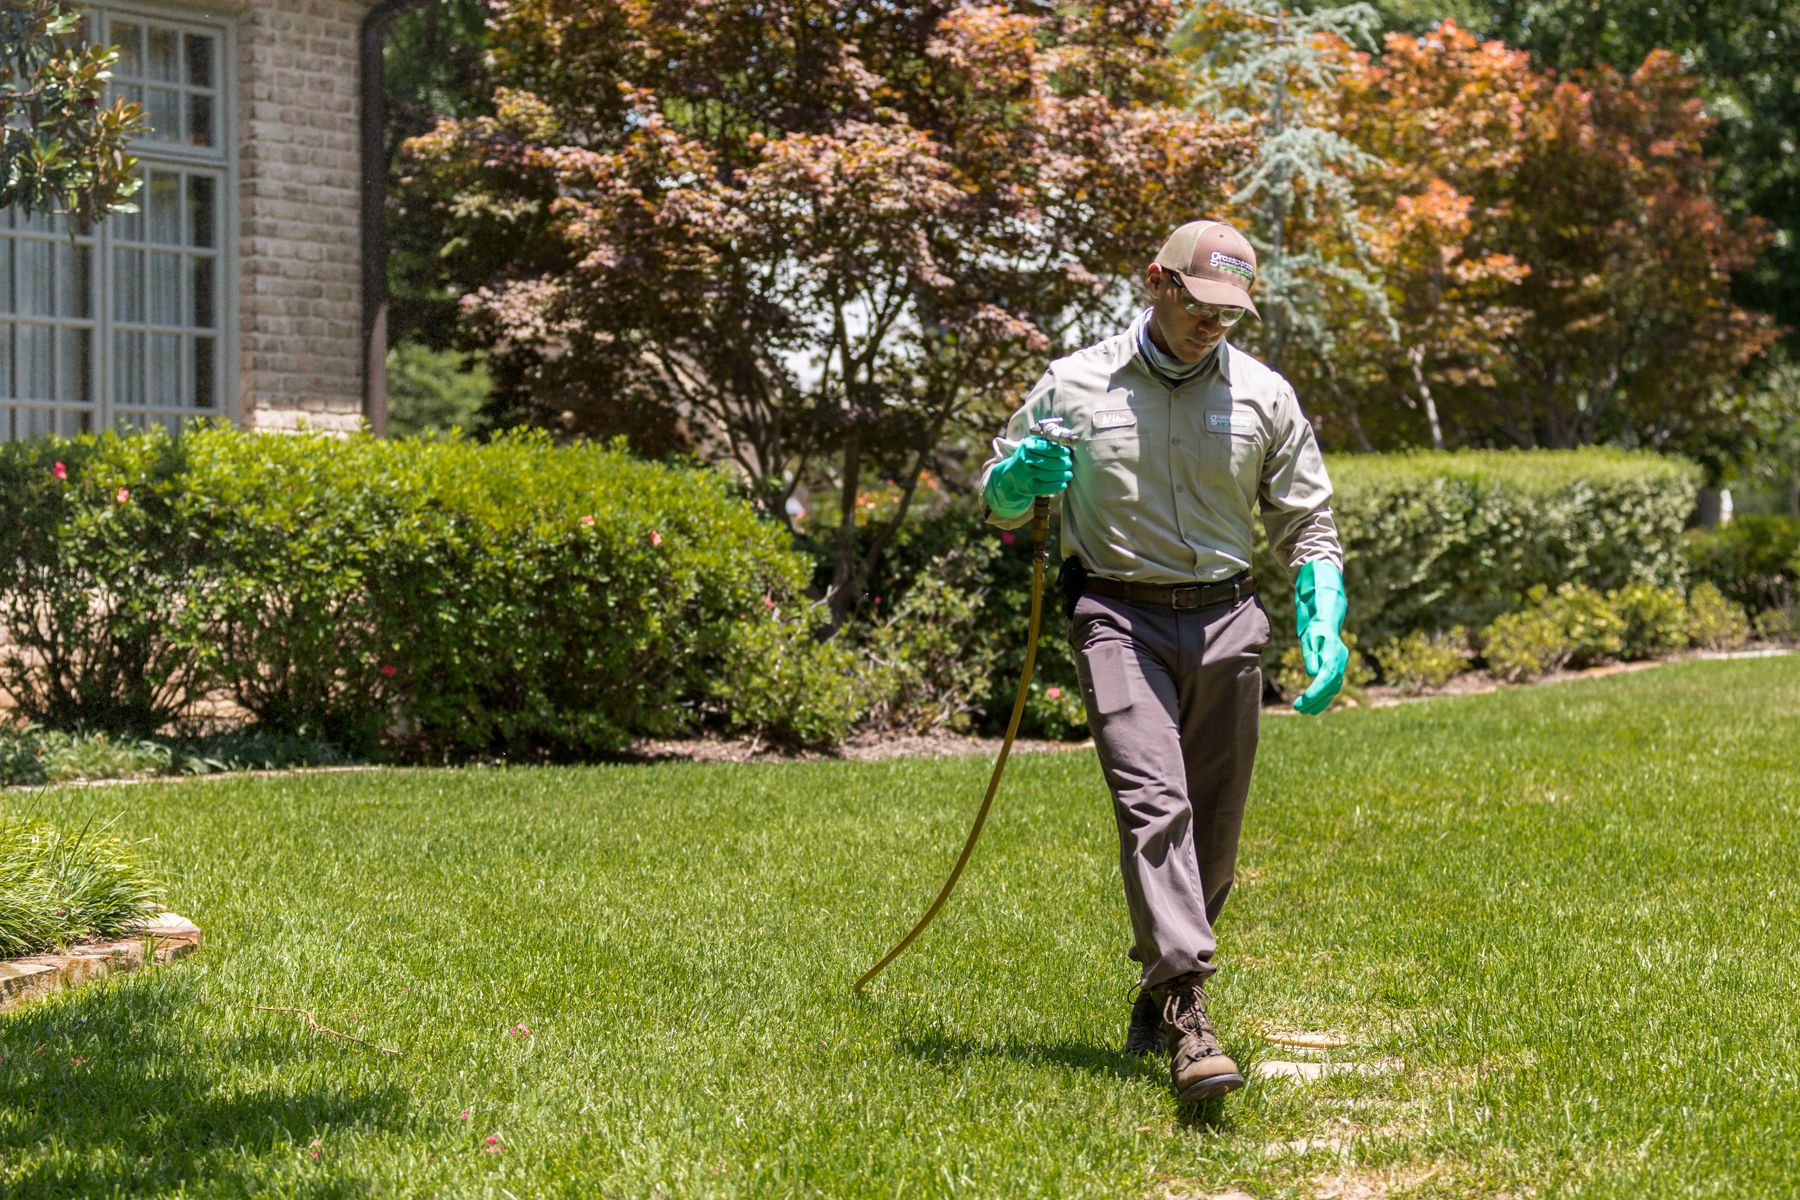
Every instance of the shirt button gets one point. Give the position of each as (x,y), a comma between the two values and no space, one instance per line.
(1180,488)
(1176,442)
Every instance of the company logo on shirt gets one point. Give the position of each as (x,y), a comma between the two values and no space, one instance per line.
(1114,418)
(1231,422)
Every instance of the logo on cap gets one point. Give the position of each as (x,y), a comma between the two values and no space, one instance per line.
(1221,261)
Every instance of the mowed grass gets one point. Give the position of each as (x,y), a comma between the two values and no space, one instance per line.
(1557,925)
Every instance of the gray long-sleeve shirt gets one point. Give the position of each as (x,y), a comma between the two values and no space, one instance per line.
(1168,476)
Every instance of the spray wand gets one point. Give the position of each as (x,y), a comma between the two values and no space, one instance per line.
(1054,430)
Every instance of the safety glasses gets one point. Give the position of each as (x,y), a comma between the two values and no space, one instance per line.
(1226,315)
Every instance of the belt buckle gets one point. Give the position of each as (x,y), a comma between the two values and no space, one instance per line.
(1187,596)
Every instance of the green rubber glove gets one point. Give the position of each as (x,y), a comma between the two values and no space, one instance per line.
(1039,467)
(1320,607)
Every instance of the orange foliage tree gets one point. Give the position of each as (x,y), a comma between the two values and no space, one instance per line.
(1557,264)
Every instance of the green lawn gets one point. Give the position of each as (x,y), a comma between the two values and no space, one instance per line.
(1560,924)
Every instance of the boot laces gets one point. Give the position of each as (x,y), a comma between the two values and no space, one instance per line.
(1185,1008)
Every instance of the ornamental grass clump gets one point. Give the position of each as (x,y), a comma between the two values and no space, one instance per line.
(58,887)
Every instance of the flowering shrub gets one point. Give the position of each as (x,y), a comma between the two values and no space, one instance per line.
(439,596)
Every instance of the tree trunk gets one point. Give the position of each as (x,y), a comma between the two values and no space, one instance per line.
(844,583)
(1416,357)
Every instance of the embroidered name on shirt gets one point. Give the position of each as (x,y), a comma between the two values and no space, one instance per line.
(1231,422)
(1115,418)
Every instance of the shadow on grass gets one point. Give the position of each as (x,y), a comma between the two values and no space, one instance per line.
(1081,1056)
(100,1096)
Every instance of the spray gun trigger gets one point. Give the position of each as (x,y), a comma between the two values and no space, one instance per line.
(1053,429)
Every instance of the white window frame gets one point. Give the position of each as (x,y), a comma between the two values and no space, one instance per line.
(112,318)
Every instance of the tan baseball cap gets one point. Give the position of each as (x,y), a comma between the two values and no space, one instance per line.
(1217,264)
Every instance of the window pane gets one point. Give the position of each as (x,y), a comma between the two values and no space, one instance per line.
(204,390)
(164,56)
(6,273)
(165,289)
(6,362)
(164,375)
(36,296)
(35,348)
(162,203)
(130,226)
(201,218)
(203,293)
(73,290)
(164,111)
(73,360)
(200,60)
(128,37)
(128,285)
(199,125)
(128,368)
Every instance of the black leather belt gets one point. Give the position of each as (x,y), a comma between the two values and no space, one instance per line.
(1191,595)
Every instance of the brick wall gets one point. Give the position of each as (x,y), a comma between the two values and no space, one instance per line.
(300,228)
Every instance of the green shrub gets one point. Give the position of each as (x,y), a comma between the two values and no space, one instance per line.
(1574,626)
(1420,660)
(100,592)
(1525,644)
(780,682)
(441,596)
(1655,619)
(1779,624)
(1753,560)
(932,654)
(57,887)
(1713,622)
(1436,540)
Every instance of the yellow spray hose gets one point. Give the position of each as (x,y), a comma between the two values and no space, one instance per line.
(1040,554)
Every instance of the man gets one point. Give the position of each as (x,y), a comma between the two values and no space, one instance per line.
(1182,436)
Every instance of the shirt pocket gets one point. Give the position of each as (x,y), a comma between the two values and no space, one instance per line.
(1233,441)
(1113,461)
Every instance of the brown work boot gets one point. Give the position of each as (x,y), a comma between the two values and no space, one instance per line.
(1144,1035)
(1197,1067)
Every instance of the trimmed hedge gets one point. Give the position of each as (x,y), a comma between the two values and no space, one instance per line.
(1436,540)
(438,596)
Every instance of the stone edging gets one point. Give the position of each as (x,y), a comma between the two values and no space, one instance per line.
(161,939)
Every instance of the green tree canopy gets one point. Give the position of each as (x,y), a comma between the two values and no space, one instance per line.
(62,149)
(815,238)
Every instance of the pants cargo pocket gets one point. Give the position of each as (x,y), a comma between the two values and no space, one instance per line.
(1106,679)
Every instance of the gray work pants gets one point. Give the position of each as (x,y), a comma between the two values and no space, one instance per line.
(1173,700)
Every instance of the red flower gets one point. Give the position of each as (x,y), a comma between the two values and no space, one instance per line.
(60,471)
(655,538)
(495,1145)
(1006,535)
(388,668)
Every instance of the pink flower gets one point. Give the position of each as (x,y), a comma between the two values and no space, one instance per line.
(521,1030)
(495,1145)
(1006,535)
(588,520)
(60,471)
(768,602)
(388,668)
(1054,693)
(655,538)
(123,496)
(464,1116)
